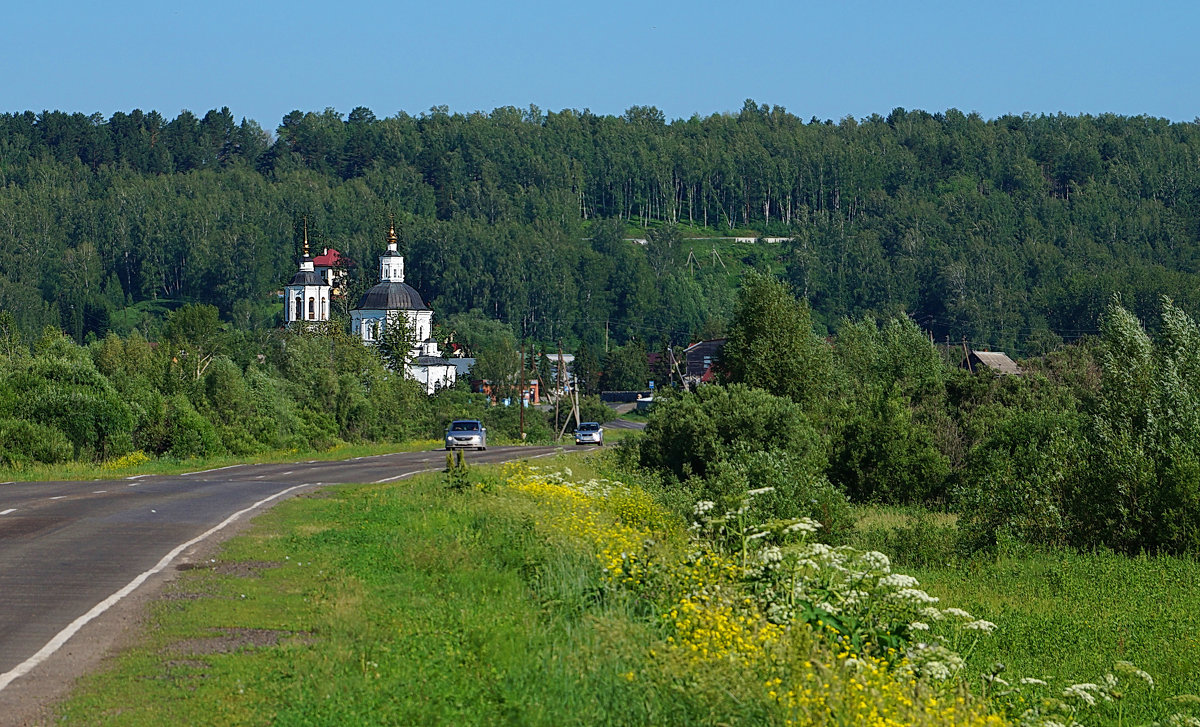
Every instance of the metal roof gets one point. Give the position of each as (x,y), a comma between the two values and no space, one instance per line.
(997,361)
(391,296)
(307,277)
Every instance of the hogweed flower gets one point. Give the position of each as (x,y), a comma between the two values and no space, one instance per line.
(898,580)
(914,596)
(1126,667)
(986,627)
(1083,692)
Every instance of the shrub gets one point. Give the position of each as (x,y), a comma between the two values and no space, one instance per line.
(189,434)
(1016,483)
(685,434)
(24,441)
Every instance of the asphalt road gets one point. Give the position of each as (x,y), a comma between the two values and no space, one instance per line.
(71,550)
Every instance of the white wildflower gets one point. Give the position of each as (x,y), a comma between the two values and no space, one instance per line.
(918,626)
(937,669)
(986,627)
(914,596)
(996,680)
(1183,720)
(759,491)
(818,549)
(931,613)
(898,580)
(770,555)
(759,534)
(958,612)
(803,525)
(877,560)
(703,506)
(1033,682)
(1126,667)
(828,607)
(854,597)
(1083,692)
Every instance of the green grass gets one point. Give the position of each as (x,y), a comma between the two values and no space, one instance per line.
(1067,617)
(1063,616)
(368,605)
(171,466)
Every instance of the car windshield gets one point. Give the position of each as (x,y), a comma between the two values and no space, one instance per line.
(464,426)
(589,427)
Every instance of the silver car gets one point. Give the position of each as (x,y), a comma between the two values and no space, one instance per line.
(466,433)
(590,433)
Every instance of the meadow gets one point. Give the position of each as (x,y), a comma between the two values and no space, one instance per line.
(561,596)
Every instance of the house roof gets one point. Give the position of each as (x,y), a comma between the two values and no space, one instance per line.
(711,342)
(390,295)
(996,361)
(332,258)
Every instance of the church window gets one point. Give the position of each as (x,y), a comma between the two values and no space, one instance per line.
(311,306)
(299,309)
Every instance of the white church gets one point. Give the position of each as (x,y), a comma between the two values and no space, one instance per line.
(392,302)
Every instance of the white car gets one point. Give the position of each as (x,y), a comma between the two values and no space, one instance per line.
(590,433)
(466,433)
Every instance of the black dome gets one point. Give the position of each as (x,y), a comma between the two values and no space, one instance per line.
(307,277)
(391,296)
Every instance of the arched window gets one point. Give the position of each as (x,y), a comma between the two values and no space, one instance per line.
(324,308)
(299,309)
(312,304)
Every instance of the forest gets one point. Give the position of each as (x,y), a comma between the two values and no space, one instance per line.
(1013,233)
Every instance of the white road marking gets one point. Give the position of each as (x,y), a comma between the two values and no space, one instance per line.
(5,512)
(260,477)
(8,483)
(99,492)
(287,473)
(136,477)
(132,484)
(63,636)
(406,474)
(58,497)
(218,469)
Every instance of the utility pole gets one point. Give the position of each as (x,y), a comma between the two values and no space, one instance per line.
(521,384)
(559,387)
(605,339)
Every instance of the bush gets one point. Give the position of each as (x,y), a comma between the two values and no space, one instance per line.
(720,442)
(883,455)
(24,441)
(686,433)
(189,434)
(1017,482)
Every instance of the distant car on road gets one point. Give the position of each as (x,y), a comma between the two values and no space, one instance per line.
(466,433)
(590,433)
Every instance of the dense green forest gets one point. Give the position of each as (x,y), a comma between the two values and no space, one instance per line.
(1012,232)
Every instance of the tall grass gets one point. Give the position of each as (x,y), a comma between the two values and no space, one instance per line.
(525,601)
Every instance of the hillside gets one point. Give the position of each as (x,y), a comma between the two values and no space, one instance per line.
(1013,232)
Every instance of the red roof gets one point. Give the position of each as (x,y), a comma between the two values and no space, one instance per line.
(332,259)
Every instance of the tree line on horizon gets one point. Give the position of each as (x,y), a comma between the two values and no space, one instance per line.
(1014,231)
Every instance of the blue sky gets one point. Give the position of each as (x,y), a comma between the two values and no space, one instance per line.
(829,60)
